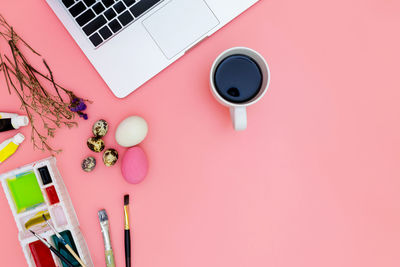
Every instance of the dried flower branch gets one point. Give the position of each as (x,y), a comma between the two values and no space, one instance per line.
(40,96)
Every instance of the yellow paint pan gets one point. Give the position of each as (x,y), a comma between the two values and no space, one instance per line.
(37,219)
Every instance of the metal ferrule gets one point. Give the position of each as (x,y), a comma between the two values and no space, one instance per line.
(105,230)
(126,217)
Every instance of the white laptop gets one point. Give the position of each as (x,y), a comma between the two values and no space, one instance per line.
(130,41)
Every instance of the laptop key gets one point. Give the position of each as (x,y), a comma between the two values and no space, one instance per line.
(96,39)
(93,15)
(98,8)
(68,3)
(110,14)
(85,17)
(94,25)
(125,18)
(105,32)
(89,2)
(77,9)
(129,2)
(114,25)
(108,3)
(143,6)
(119,7)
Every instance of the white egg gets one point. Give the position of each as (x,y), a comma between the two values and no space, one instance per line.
(131,131)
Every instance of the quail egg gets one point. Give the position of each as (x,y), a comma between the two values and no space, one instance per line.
(88,164)
(110,157)
(95,144)
(100,128)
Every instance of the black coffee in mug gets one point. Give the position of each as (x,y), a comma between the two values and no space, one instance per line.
(238,79)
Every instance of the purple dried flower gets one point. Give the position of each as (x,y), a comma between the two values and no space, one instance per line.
(83,115)
(81,106)
(78,105)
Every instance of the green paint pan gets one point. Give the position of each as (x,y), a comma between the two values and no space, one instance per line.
(25,191)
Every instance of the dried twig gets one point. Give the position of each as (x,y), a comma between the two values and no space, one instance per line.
(39,99)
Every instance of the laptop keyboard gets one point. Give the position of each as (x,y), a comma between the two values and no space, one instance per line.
(102,19)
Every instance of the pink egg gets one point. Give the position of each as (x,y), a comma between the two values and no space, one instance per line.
(134,165)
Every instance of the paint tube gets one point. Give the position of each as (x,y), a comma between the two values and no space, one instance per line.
(8,147)
(11,121)
(4,115)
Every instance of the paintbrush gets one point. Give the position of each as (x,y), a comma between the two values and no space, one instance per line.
(105,230)
(62,241)
(127,232)
(53,249)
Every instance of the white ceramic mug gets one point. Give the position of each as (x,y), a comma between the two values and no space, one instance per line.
(238,110)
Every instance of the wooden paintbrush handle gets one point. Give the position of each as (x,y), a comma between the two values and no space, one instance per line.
(75,255)
(62,258)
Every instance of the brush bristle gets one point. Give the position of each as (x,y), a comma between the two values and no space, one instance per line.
(126,200)
(103,215)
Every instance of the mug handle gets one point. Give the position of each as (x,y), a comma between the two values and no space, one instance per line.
(239,118)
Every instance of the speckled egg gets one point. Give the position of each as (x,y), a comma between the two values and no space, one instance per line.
(110,157)
(88,164)
(100,128)
(95,144)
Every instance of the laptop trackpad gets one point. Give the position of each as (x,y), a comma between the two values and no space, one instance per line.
(179,24)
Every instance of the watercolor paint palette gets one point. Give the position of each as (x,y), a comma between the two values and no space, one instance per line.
(35,190)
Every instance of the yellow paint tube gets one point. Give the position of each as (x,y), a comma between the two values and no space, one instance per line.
(8,147)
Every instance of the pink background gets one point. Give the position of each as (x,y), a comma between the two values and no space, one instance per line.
(315,179)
